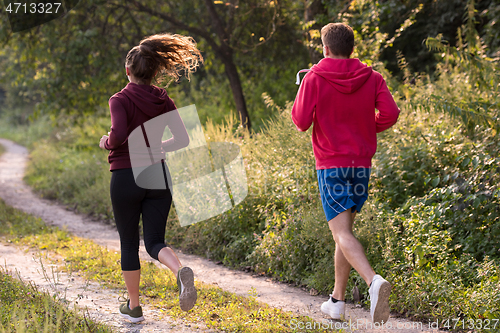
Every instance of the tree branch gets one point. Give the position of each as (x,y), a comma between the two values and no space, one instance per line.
(217,24)
(179,24)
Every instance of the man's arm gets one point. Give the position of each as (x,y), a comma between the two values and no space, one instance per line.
(305,104)
(388,111)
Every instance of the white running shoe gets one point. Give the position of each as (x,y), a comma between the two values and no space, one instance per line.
(379,292)
(335,310)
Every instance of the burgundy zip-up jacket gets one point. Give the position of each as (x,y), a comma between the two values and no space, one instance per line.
(130,108)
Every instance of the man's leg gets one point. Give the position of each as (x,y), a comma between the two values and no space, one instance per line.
(342,270)
(352,250)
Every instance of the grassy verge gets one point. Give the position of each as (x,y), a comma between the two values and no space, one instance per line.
(216,308)
(66,163)
(25,309)
(26,133)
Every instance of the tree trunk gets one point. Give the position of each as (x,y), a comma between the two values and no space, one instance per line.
(239,98)
(223,50)
(315,8)
(226,54)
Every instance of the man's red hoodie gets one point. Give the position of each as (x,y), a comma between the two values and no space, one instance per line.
(340,97)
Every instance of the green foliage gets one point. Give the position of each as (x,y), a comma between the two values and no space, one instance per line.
(72,65)
(71,168)
(65,66)
(76,178)
(460,217)
(492,29)
(439,293)
(467,85)
(27,133)
(421,151)
(434,17)
(442,252)
(26,309)
(294,243)
(17,224)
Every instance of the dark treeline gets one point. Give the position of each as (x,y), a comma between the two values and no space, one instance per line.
(72,65)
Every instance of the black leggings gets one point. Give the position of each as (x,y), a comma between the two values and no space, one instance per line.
(129,202)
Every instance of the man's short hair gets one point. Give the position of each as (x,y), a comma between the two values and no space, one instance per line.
(339,38)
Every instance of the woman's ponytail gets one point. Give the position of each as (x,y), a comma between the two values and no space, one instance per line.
(168,54)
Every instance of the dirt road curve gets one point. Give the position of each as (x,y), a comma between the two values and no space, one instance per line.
(17,194)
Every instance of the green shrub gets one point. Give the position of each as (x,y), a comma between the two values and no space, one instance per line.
(25,133)
(79,179)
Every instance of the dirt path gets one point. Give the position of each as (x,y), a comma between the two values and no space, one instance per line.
(17,194)
(100,303)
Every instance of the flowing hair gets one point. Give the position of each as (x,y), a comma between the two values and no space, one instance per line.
(167,54)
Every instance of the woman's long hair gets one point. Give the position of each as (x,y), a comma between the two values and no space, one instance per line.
(168,54)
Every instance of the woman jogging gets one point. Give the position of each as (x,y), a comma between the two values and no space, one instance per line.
(130,108)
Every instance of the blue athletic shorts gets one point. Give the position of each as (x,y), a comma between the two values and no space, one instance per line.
(342,189)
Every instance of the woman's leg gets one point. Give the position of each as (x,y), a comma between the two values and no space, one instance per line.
(155,209)
(126,199)
(132,280)
(154,216)
(168,258)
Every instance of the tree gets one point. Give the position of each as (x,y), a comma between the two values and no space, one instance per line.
(227,27)
(71,65)
(314,13)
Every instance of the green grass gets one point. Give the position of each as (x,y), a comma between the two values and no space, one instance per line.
(77,178)
(216,308)
(26,309)
(23,307)
(26,133)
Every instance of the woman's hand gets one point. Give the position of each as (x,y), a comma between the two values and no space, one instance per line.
(103,141)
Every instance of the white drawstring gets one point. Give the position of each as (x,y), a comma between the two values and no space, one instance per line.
(298,76)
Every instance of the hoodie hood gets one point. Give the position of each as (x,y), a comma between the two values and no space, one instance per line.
(149,99)
(345,75)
